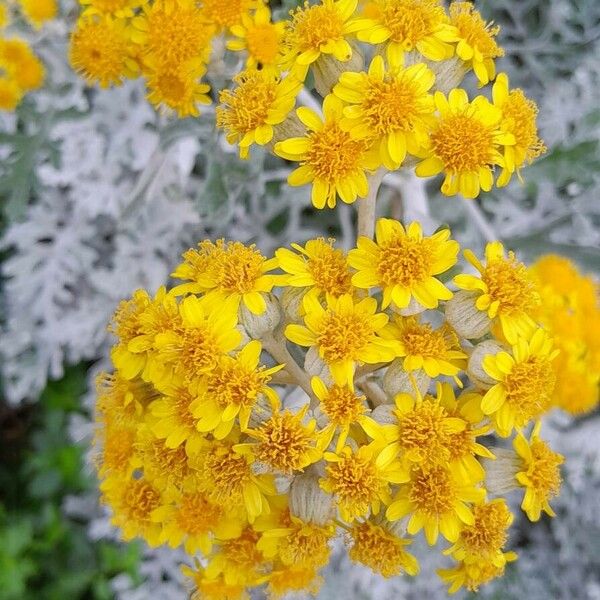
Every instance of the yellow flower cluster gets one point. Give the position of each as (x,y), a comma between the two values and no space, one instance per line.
(263,406)
(570,310)
(389,73)
(21,71)
(170,43)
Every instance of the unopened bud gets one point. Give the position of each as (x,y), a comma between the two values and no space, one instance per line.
(327,69)
(291,127)
(291,303)
(384,414)
(448,73)
(314,365)
(397,380)
(308,501)
(475,365)
(465,318)
(500,472)
(258,325)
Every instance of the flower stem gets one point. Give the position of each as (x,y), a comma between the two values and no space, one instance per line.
(366,206)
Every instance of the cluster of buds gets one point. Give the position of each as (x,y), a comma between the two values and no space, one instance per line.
(21,71)
(264,406)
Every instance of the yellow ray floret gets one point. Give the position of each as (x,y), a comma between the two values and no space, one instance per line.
(116,8)
(37,12)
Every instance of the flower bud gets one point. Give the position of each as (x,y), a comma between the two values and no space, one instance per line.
(308,501)
(475,365)
(291,127)
(413,308)
(327,69)
(258,325)
(314,365)
(465,318)
(448,73)
(397,380)
(384,414)
(291,303)
(500,472)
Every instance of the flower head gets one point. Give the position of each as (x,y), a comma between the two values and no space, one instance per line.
(37,12)
(404,263)
(472,575)
(334,162)
(115,8)
(226,14)
(10,94)
(21,64)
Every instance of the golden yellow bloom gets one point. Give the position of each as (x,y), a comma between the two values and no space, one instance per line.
(435,499)
(518,119)
(231,390)
(391,107)
(360,480)
(10,94)
(292,579)
(226,14)
(17,58)
(331,160)
(227,478)
(472,575)
(476,41)
(506,290)
(4,16)
(116,8)
(525,382)
(37,12)
(539,473)
(318,266)
(436,351)
(259,37)
(133,501)
(407,25)
(487,536)
(465,144)
(117,452)
(345,333)
(121,401)
(101,51)
(227,270)
(177,89)
(380,550)
(404,263)
(577,384)
(250,112)
(319,29)
(212,589)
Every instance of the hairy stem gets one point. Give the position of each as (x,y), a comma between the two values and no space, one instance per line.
(373,392)
(475,212)
(367,206)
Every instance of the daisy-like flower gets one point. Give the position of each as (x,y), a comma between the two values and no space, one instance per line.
(404,263)
(435,351)
(117,450)
(524,382)
(230,391)
(284,580)
(476,40)
(122,401)
(227,477)
(37,12)
(436,501)
(227,270)
(465,144)
(505,289)
(207,332)
(318,29)
(345,333)
(10,94)
(253,110)
(342,406)
(518,119)
(391,107)
(116,8)
(286,442)
(226,15)
(101,51)
(257,35)
(360,480)
(212,589)
(317,266)
(376,547)
(21,64)
(407,25)
(472,575)
(334,162)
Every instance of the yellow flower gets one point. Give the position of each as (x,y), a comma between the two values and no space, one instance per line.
(294,578)
(251,112)
(518,119)
(318,266)
(331,160)
(473,575)
(259,37)
(285,442)
(17,58)
(577,385)
(465,144)
(435,499)
(117,453)
(506,290)
(318,29)
(121,401)
(390,107)
(226,14)
(404,263)
(10,94)
(476,40)
(101,51)
(342,407)
(177,89)
(407,25)
(207,332)
(360,480)
(227,477)
(539,473)
(381,550)
(231,390)
(487,536)
(212,589)
(116,8)
(525,382)
(4,16)
(227,270)
(37,12)
(436,351)
(133,501)
(345,333)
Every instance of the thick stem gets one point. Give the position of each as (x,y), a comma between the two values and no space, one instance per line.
(278,350)
(374,393)
(367,206)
